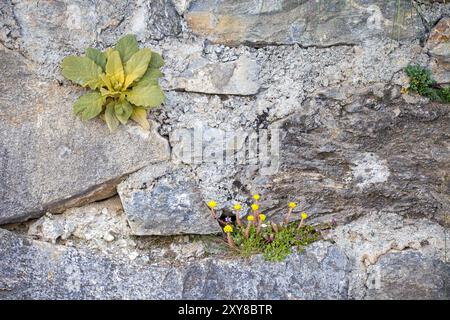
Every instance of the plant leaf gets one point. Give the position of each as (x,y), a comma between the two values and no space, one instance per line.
(97,56)
(105,81)
(114,70)
(156,61)
(136,66)
(82,71)
(139,115)
(108,52)
(89,105)
(123,111)
(127,46)
(146,96)
(110,117)
(150,77)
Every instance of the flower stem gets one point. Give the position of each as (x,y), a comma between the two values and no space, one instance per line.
(230,241)
(213,214)
(238,218)
(300,224)
(258,227)
(288,215)
(274,227)
(247,230)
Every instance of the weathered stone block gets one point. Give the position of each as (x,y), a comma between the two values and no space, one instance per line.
(308,23)
(438,45)
(238,77)
(37,270)
(163,200)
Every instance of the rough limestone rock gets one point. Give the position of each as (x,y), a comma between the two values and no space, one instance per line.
(349,142)
(102,221)
(239,77)
(295,100)
(308,23)
(161,200)
(38,270)
(48,31)
(49,158)
(378,241)
(439,48)
(408,275)
(368,155)
(102,226)
(216,144)
(181,5)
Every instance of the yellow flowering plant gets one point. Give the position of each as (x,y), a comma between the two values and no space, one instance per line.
(258,235)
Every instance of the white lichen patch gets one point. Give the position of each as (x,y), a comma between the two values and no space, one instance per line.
(376,19)
(370,169)
(139,19)
(74,17)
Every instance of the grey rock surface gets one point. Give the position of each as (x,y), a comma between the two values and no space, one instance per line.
(165,200)
(438,45)
(378,241)
(309,23)
(372,154)
(181,5)
(239,77)
(37,270)
(349,140)
(46,32)
(102,226)
(101,221)
(409,276)
(50,159)
(352,148)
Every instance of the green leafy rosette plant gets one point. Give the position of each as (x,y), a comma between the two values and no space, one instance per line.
(124,80)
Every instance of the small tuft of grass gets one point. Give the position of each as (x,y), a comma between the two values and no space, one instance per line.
(288,238)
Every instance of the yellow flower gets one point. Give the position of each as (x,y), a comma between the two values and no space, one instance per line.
(292,205)
(228,229)
(251,218)
(262,217)
(255,207)
(304,215)
(212,204)
(237,206)
(403,90)
(256,197)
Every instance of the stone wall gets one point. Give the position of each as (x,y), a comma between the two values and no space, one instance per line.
(319,80)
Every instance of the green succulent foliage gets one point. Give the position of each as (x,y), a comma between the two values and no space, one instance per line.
(124,80)
(421,82)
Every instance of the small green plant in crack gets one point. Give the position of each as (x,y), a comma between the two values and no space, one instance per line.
(422,82)
(124,80)
(258,235)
